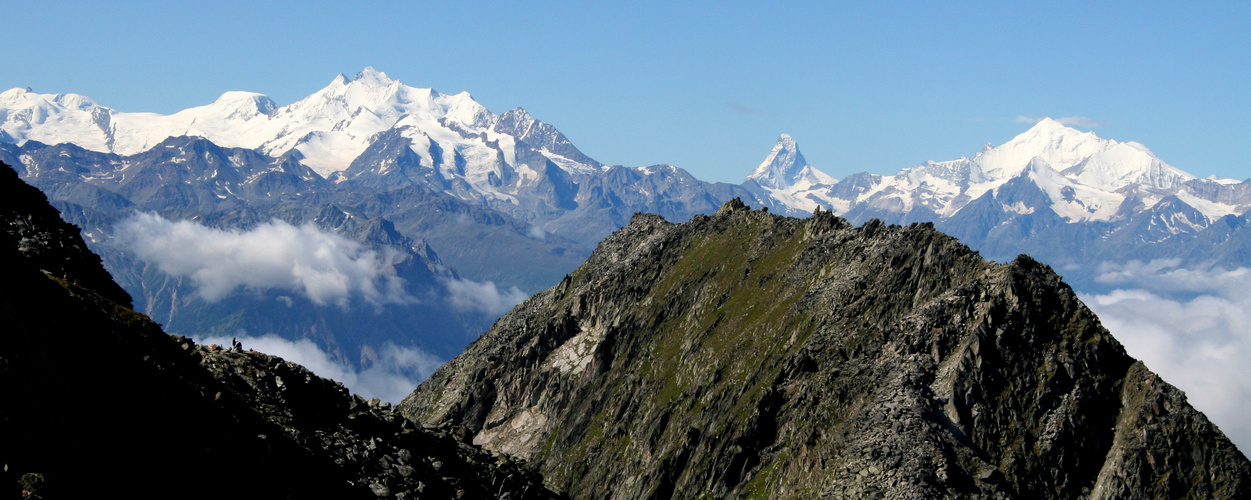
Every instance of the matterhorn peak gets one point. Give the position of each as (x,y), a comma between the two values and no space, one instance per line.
(784,167)
(781,166)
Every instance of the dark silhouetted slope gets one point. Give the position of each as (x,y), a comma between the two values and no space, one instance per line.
(98,400)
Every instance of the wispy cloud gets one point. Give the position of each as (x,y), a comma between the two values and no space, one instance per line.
(325,267)
(1191,326)
(739,108)
(536,231)
(1166,275)
(1071,121)
(482,297)
(393,376)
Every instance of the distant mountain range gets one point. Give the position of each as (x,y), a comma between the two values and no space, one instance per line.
(1064,196)
(1104,199)
(461,195)
(374,132)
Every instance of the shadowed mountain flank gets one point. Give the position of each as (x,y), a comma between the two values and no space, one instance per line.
(97,398)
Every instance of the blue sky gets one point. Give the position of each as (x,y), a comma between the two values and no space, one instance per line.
(704,86)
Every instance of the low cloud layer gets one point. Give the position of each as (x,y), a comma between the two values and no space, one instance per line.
(393,377)
(1192,327)
(325,267)
(485,297)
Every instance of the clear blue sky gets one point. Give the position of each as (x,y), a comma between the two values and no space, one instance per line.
(704,86)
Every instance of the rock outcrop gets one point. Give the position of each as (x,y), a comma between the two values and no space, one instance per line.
(45,242)
(746,354)
(97,399)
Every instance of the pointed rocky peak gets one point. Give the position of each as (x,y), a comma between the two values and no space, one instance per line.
(785,166)
(733,205)
(546,139)
(515,122)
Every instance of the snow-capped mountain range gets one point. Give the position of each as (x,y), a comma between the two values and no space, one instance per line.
(330,128)
(1084,178)
(375,133)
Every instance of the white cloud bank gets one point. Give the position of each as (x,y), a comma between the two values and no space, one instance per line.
(485,297)
(325,267)
(393,377)
(1192,327)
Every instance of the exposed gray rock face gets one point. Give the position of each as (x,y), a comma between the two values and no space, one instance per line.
(747,354)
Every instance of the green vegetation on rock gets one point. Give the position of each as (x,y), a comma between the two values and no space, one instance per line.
(746,354)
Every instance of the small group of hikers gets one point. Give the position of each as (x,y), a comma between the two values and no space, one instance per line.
(235,345)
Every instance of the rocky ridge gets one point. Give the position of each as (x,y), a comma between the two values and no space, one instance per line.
(751,355)
(98,398)
(372,445)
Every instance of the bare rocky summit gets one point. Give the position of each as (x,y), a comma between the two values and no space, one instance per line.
(746,354)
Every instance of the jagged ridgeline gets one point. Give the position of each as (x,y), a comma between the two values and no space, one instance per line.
(748,354)
(96,401)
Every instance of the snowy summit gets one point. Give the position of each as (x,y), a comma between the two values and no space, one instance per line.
(1084,178)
